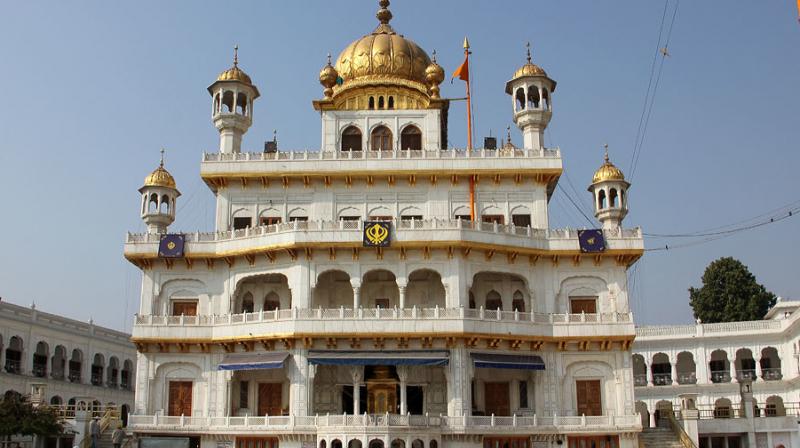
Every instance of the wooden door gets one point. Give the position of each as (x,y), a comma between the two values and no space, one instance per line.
(587,393)
(270,398)
(586,305)
(188,308)
(180,398)
(497,398)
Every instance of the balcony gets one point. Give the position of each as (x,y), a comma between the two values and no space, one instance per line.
(318,163)
(746,374)
(640,380)
(74,376)
(39,370)
(771,374)
(662,379)
(14,367)
(687,378)
(386,422)
(349,233)
(720,376)
(392,320)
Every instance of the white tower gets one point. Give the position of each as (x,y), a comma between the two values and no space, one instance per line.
(159,196)
(233,94)
(531,93)
(610,191)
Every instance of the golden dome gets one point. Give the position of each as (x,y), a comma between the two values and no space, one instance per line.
(327,77)
(235,73)
(434,75)
(160,177)
(529,69)
(383,55)
(607,171)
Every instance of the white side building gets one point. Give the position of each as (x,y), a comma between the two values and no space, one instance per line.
(460,319)
(713,364)
(65,362)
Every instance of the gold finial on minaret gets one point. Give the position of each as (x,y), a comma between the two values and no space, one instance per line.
(605,146)
(236,55)
(528,45)
(162,157)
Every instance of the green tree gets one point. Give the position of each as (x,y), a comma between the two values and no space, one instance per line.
(730,293)
(19,417)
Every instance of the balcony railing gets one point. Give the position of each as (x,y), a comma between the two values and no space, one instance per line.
(310,424)
(771,374)
(74,376)
(687,378)
(746,374)
(97,379)
(379,155)
(721,376)
(39,370)
(640,380)
(401,225)
(13,366)
(315,314)
(662,379)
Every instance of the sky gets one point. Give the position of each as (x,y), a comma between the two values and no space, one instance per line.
(92,90)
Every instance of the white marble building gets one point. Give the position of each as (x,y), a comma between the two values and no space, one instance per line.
(67,362)
(475,325)
(710,362)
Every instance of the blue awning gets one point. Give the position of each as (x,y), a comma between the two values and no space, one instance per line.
(503,361)
(379,357)
(253,361)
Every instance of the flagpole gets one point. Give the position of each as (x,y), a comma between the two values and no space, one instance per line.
(469,135)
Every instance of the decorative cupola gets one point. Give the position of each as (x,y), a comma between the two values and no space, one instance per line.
(434,75)
(159,195)
(531,92)
(610,191)
(233,95)
(328,77)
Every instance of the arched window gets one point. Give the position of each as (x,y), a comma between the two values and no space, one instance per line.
(247,303)
(75,364)
(40,359)
(14,355)
(164,207)
(98,365)
(380,102)
(227,101)
(471,300)
(381,139)
(494,301)
(601,200)
(371,103)
(351,139)
(391,103)
(533,97)
(272,302)
(152,206)
(56,401)
(518,302)
(520,99)
(612,198)
(241,104)
(411,138)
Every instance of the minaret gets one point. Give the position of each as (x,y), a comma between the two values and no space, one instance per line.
(233,94)
(610,192)
(531,93)
(159,196)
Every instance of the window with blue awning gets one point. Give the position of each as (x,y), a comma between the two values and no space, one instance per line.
(253,361)
(379,357)
(506,361)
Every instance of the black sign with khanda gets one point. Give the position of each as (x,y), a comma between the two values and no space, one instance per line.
(591,240)
(171,246)
(377,233)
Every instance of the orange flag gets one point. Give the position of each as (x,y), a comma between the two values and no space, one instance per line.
(462,72)
(798,10)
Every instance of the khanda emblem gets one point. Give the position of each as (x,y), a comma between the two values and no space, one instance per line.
(376,233)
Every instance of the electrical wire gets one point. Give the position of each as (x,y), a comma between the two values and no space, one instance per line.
(591,223)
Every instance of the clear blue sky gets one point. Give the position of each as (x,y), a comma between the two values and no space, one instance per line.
(91,90)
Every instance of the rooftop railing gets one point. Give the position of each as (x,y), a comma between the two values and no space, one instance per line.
(400,225)
(700,329)
(314,314)
(452,153)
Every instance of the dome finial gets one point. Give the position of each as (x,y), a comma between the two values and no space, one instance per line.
(384,15)
(528,45)
(162,158)
(434,56)
(236,55)
(508,134)
(329,59)
(605,158)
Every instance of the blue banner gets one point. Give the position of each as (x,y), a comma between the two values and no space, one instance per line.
(591,240)
(171,246)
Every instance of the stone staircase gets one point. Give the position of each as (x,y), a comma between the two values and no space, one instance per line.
(659,438)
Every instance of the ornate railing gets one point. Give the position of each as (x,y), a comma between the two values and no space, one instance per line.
(687,378)
(313,423)
(640,380)
(314,314)
(746,374)
(721,376)
(771,374)
(700,329)
(400,225)
(662,379)
(378,155)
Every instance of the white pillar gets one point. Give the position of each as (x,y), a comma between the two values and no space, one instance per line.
(356,297)
(675,371)
(402,290)
(459,383)
(402,375)
(649,373)
(357,374)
